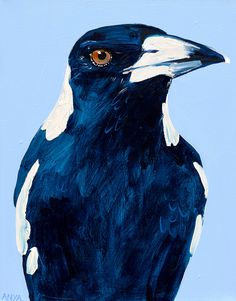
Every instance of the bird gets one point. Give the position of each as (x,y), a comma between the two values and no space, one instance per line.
(109,196)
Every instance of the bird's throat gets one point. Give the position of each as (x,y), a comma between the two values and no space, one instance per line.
(133,115)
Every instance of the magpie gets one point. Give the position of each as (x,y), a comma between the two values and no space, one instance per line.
(109,197)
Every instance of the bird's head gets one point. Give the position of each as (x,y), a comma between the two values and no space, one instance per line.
(120,75)
(133,64)
(135,53)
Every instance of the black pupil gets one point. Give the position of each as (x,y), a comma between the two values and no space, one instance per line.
(102,55)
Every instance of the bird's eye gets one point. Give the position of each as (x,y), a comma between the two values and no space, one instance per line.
(100,57)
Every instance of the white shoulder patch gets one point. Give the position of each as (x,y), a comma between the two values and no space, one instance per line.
(32,261)
(22,224)
(170,133)
(57,120)
(196,234)
(202,176)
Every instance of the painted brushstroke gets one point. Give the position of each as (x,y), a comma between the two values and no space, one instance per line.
(23,227)
(170,133)
(202,176)
(32,261)
(56,122)
(196,234)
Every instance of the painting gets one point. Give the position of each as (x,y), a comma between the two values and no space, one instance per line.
(110,197)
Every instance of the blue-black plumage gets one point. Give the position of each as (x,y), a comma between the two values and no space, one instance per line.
(109,197)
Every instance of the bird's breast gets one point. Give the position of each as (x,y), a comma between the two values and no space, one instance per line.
(106,211)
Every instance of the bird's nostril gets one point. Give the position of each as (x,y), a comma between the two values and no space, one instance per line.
(133,35)
(152,51)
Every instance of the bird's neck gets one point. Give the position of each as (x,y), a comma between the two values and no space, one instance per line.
(134,117)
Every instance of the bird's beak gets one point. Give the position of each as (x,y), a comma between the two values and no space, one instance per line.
(171,56)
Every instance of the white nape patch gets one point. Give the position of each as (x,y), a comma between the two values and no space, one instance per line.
(161,62)
(202,176)
(196,234)
(170,133)
(32,261)
(22,224)
(57,120)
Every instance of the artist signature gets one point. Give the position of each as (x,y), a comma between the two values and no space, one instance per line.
(10,297)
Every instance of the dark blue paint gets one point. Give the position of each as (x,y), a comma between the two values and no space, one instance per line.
(112,208)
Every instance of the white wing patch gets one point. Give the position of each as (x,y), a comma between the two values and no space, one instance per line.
(202,176)
(32,261)
(57,120)
(196,234)
(170,133)
(22,224)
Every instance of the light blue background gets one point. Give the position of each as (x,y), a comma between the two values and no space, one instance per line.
(35,39)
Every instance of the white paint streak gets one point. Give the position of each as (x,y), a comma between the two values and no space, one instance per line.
(140,74)
(22,224)
(57,120)
(196,234)
(170,133)
(162,62)
(202,176)
(181,68)
(169,48)
(32,261)
(227,59)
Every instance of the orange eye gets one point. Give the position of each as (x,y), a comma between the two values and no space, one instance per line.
(100,57)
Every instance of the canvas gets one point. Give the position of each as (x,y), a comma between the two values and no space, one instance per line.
(105,233)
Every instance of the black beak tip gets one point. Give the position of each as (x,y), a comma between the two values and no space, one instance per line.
(220,58)
(213,57)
